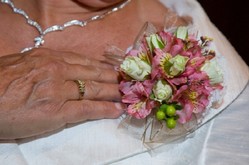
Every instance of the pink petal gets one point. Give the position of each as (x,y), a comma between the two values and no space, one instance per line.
(185,114)
(140,113)
(176,49)
(125,86)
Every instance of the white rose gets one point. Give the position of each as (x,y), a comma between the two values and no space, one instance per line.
(178,65)
(213,71)
(162,90)
(136,68)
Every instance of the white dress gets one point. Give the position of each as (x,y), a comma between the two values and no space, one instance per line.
(223,140)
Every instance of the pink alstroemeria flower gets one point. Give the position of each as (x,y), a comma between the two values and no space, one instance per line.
(194,96)
(168,39)
(137,95)
(158,63)
(141,109)
(167,66)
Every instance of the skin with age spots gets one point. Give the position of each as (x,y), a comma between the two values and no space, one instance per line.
(38,93)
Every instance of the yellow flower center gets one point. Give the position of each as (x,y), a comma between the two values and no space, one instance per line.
(138,106)
(192,95)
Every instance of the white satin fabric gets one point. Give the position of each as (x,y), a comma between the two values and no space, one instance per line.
(223,140)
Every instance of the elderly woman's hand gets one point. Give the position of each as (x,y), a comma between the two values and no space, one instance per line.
(38,93)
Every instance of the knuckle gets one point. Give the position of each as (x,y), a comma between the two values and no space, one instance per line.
(99,73)
(46,89)
(53,66)
(46,59)
(111,111)
(87,107)
(94,89)
(86,61)
(85,112)
(93,110)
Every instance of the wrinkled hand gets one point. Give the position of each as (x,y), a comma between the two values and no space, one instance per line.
(38,93)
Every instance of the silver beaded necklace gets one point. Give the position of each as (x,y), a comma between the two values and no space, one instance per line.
(39,40)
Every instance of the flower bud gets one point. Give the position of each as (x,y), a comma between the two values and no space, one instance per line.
(162,91)
(178,65)
(136,68)
(154,41)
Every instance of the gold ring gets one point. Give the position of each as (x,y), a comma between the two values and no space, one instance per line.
(81,85)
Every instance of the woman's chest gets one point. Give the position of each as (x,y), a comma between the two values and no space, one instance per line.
(92,40)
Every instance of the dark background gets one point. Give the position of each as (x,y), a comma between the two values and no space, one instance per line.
(232,19)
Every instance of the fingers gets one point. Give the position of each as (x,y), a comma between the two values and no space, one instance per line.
(54,74)
(74,58)
(93,91)
(98,91)
(69,90)
(77,111)
(74,72)
(68,57)
(70,66)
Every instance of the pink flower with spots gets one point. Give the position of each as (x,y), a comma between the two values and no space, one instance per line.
(137,95)
(194,95)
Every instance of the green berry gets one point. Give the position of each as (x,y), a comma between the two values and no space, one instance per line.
(170,111)
(171,123)
(163,107)
(160,115)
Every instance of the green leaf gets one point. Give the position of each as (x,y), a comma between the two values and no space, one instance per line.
(152,96)
(154,41)
(182,32)
(178,107)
